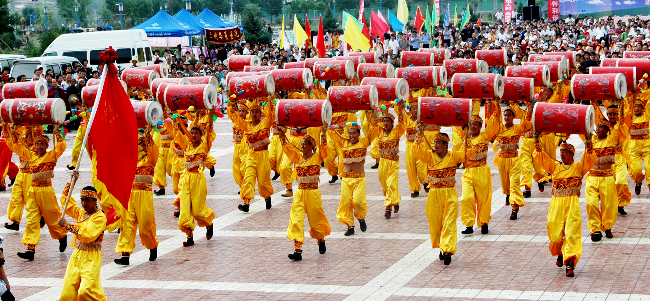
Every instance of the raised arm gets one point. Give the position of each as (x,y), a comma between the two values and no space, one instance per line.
(541,158)
(74,211)
(588,157)
(60,143)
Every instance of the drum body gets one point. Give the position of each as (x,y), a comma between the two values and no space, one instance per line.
(334,70)
(518,89)
(147,113)
(598,86)
(416,58)
(259,68)
(642,65)
(173,80)
(444,111)
(160,68)
(248,87)
(557,69)
(420,77)
(550,58)
(139,78)
(32,89)
(357,59)
(540,73)
(570,55)
(465,66)
(636,54)
(309,63)
(34,111)
(368,57)
(292,79)
(237,62)
(375,70)
(160,91)
(563,118)
(493,57)
(303,113)
(199,96)
(353,98)
(204,80)
(389,89)
(477,85)
(232,75)
(628,72)
(439,54)
(88,95)
(294,65)
(608,62)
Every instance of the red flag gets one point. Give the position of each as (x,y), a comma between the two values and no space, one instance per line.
(377,26)
(366,33)
(113,139)
(419,20)
(320,40)
(479,22)
(308,31)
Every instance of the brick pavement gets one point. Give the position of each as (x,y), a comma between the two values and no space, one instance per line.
(393,260)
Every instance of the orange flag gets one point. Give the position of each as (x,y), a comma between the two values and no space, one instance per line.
(320,40)
(308,31)
(419,20)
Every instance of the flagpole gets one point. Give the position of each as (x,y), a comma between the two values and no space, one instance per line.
(83,144)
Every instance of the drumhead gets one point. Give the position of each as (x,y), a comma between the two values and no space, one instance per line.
(326,112)
(374,97)
(153,113)
(269,84)
(402,90)
(154,75)
(5,110)
(419,107)
(590,120)
(546,75)
(390,71)
(58,110)
(482,66)
(442,77)
(349,69)
(307,78)
(621,86)
(499,86)
(40,89)
(255,60)
(210,98)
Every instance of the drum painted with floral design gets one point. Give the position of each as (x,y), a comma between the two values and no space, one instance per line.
(147,113)
(628,72)
(608,62)
(416,58)
(598,86)
(465,66)
(422,77)
(292,79)
(237,62)
(259,68)
(139,78)
(358,59)
(294,65)
(172,80)
(444,111)
(493,57)
(389,89)
(570,55)
(160,91)
(369,57)
(556,68)
(36,111)
(636,54)
(540,73)
(309,63)
(353,98)
(518,89)
(375,70)
(303,113)
(181,97)
(563,118)
(88,95)
(439,54)
(551,58)
(252,86)
(334,70)
(32,89)
(96,81)
(477,85)
(161,68)
(642,65)
(232,75)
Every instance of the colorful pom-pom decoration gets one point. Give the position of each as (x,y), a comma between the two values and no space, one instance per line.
(174,116)
(383,107)
(219,90)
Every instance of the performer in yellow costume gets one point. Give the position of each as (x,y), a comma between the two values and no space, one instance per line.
(286,166)
(41,199)
(307,199)
(193,185)
(140,209)
(81,280)
(333,167)
(639,144)
(78,140)
(177,162)
(370,124)
(241,149)
(442,202)
(415,169)
(257,161)
(621,155)
(564,221)
(275,152)
(165,160)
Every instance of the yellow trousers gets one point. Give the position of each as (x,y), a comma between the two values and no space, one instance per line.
(19,194)
(238,158)
(374,149)
(81,280)
(177,171)
(529,170)
(353,201)
(620,177)
(442,211)
(510,174)
(76,149)
(275,153)
(163,166)
(140,213)
(330,161)
(639,152)
(602,203)
(563,226)
(476,201)
(42,202)
(415,169)
(193,193)
(307,201)
(388,176)
(257,169)
(285,170)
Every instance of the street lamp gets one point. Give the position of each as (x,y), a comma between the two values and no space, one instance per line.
(45,11)
(76,11)
(188,5)
(335,9)
(121,8)
(165,4)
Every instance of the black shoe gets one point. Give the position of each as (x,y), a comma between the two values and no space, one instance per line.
(513,215)
(189,242)
(12,182)
(596,236)
(621,211)
(426,187)
(637,189)
(29,254)
(447,259)
(507,200)
(484,229)
(375,166)
(209,232)
(160,192)
(177,213)
(124,260)
(540,186)
(153,254)
(415,194)
(441,256)
(395,208)
(243,207)
(297,255)
(333,180)
(275,176)
(608,233)
(2,188)
(63,243)
(468,230)
(42,222)
(212,172)
(349,232)
(560,261)
(239,192)
(362,225)
(13,226)
(268,203)
(527,193)
(71,167)
(387,213)
(569,271)
(321,247)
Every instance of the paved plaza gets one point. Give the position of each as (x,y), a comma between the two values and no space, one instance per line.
(393,260)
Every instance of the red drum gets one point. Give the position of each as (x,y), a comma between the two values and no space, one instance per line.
(642,65)
(551,58)
(147,113)
(292,79)
(598,86)
(293,65)
(89,94)
(465,66)
(181,97)
(160,68)
(204,80)
(636,54)
(608,62)
(570,55)
(353,98)
(160,91)
(173,80)
(375,70)
(518,89)
(563,118)
(444,111)
(477,85)
(252,86)
(358,59)
(556,68)
(439,54)
(493,57)
(338,70)
(303,113)
(32,89)
(628,72)
(232,75)
(541,73)
(237,62)
(139,78)
(389,89)
(35,111)
(421,77)
(369,57)
(259,68)
(309,63)
(441,71)
(415,58)
(95,82)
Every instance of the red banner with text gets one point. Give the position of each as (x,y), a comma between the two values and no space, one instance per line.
(222,35)
(553,10)
(507,10)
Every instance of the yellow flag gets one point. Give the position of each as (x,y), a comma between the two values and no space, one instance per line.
(298,32)
(354,37)
(282,36)
(402,11)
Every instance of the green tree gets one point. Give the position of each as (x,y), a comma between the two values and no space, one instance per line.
(67,12)
(329,21)
(255,32)
(8,20)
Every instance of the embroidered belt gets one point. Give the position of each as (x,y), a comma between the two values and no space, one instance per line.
(141,186)
(479,156)
(41,183)
(166,137)
(352,174)
(260,145)
(23,165)
(567,186)
(504,147)
(475,163)
(26,170)
(146,179)
(179,152)
(93,246)
(390,157)
(165,144)
(237,138)
(529,134)
(442,178)
(639,137)
(601,172)
(307,185)
(48,174)
(193,166)
(508,154)
(353,160)
(610,159)
(307,179)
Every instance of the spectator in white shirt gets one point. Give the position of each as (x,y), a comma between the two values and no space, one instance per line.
(393,44)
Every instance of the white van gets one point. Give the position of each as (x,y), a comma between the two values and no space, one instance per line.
(129,44)
(7,60)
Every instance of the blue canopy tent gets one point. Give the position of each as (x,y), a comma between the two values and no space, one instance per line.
(208,17)
(163,24)
(184,16)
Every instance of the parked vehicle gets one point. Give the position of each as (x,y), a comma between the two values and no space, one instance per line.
(26,67)
(7,60)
